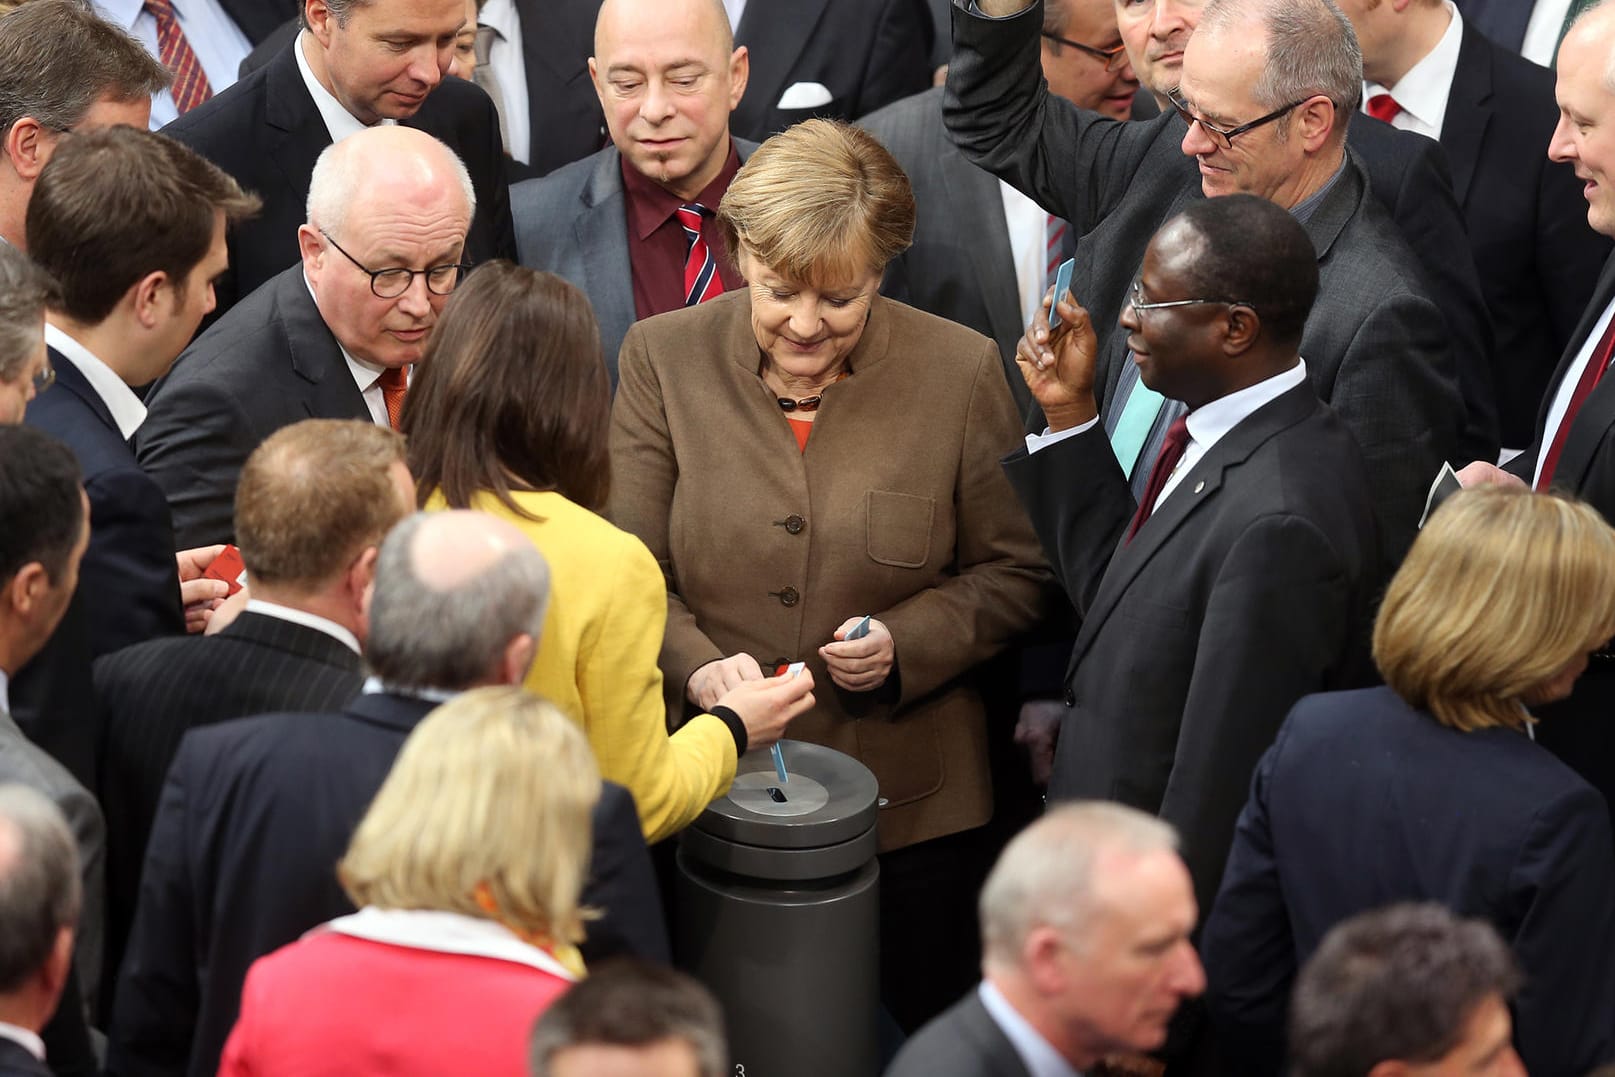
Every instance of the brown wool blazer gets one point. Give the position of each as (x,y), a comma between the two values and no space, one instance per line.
(898,508)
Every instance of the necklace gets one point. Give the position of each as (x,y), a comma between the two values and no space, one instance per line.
(805,403)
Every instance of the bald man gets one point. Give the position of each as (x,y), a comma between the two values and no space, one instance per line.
(668,75)
(333,337)
(254,812)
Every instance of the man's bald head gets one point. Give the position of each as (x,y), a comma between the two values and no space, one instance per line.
(710,15)
(389,164)
(452,591)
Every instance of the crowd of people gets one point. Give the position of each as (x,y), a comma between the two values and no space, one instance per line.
(440,439)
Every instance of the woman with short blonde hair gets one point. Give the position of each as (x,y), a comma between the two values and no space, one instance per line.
(1432,789)
(466,870)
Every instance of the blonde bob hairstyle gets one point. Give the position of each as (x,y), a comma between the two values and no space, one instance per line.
(1502,590)
(821,203)
(492,791)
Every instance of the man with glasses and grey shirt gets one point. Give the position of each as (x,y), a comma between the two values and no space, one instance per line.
(1266,90)
(333,337)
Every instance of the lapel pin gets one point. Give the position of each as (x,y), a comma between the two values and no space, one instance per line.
(1201,485)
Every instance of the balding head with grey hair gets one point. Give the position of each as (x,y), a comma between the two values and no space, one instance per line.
(25,289)
(386,163)
(452,591)
(1311,49)
(40,891)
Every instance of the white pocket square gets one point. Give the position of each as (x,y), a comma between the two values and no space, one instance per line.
(804,95)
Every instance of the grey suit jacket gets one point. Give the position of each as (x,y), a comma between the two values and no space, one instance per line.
(1376,347)
(574,223)
(963,1041)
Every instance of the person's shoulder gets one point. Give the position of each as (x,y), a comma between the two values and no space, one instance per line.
(938,340)
(219,124)
(564,184)
(906,116)
(959,1042)
(252,335)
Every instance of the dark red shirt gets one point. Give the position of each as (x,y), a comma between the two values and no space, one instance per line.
(657,247)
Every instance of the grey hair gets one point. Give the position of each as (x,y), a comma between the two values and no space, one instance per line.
(1055,16)
(424,637)
(57,58)
(631,1003)
(1311,49)
(339,176)
(1045,876)
(25,289)
(341,11)
(40,891)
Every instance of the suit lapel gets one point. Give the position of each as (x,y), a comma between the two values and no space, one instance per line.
(300,133)
(773,34)
(1463,128)
(69,378)
(1338,206)
(314,352)
(973,194)
(601,230)
(1196,489)
(1589,318)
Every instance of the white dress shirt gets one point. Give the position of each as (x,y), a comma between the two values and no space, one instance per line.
(127,410)
(306,619)
(29,1041)
(1424,90)
(735,8)
(508,58)
(1039,1058)
(339,122)
(1542,32)
(367,376)
(218,42)
(1207,424)
(5,693)
(1567,387)
(1028,243)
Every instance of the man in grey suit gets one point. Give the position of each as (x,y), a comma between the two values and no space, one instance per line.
(992,275)
(1377,348)
(1085,924)
(621,224)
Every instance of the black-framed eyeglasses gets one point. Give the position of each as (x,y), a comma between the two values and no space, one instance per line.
(1135,299)
(1224,136)
(393,282)
(44,377)
(1111,58)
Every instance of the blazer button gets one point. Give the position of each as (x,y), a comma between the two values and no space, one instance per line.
(794,524)
(1070,698)
(788,597)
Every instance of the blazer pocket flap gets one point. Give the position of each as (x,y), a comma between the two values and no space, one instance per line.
(899,528)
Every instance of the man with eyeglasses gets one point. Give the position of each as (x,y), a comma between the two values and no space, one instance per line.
(333,337)
(1244,577)
(1266,89)
(992,277)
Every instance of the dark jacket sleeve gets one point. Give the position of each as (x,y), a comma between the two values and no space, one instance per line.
(129,573)
(622,886)
(194,442)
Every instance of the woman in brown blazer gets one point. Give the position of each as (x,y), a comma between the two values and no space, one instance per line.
(805,452)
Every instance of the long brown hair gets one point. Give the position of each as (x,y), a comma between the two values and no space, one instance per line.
(511,393)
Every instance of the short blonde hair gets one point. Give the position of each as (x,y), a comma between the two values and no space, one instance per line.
(494,788)
(1502,589)
(822,203)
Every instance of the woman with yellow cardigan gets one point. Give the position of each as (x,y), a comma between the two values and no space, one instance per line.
(508,413)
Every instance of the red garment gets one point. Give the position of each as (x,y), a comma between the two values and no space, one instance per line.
(331,1005)
(801,428)
(657,245)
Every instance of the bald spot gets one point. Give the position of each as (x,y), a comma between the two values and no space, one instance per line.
(699,22)
(453,548)
(394,165)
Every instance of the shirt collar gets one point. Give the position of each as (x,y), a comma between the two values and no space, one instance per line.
(306,619)
(1304,209)
(1422,93)
(339,122)
(501,15)
(1037,1054)
(650,204)
(376,686)
(5,692)
(1209,422)
(445,933)
(29,1041)
(127,410)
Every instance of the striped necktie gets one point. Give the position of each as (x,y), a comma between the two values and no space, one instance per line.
(701,280)
(190,86)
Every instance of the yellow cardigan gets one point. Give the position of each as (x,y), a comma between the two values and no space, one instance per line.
(597,661)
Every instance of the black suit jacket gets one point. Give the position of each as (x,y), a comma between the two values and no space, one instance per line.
(963,1041)
(866,53)
(267,132)
(1504,21)
(259,19)
(1526,217)
(270,363)
(1486,823)
(254,816)
(15,1061)
(1248,587)
(153,692)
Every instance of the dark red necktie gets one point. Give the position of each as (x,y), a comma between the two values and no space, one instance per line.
(190,86)
(1382,106)
(701,280)
(1177,439)
(1584,388)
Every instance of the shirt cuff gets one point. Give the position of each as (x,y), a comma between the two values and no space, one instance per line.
(1035,442)
(737,728)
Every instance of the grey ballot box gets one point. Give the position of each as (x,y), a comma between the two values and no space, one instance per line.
(778,914)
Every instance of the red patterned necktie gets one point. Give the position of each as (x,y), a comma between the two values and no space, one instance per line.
(701,280)
(394,385)
(190,86)
(1177,440)
(1596,365)
(1054,230)
(1382,106)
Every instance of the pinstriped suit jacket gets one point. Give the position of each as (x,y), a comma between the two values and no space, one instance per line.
(153,692)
